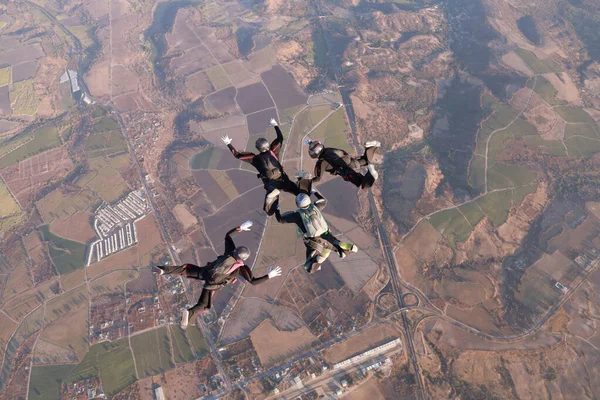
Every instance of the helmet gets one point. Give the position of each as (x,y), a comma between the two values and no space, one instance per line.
(242,253)
(315,148)
(303,200)
(262,145)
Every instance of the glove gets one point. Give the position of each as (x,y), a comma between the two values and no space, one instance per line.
(226,139)
(246,226)
(274,272)
(313,191)
(307,141)
(273,122)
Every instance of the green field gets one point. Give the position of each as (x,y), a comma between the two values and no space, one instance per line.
(582,147)
(574,114)
(198,341)
(585,130)
(104,177)
(472,212)
(8,205)
(105,144)
(5,76)
(152,352)
(452,224)
(502,115)
(203,159)
(106,124)
(496,205)
(520,193)
(537,65)
(502,176)
(477,173)
(62,304)
(554,147)
(181,345)
(23,99)
(546,91)
(66,254)
(112,361)
(218,78)
(518,129)
(45,381)
(44,138)
(83,34)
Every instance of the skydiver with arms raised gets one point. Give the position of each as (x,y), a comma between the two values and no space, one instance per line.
(217,274)
(268,166)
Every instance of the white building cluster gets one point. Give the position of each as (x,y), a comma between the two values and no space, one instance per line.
(115,226)
(366,354)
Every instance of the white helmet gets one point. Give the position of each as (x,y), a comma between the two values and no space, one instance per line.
(303,200)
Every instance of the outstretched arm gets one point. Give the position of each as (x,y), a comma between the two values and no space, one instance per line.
(276,144)
(321,201)
(229,244)
(246,273)
(319,170)
(244,155)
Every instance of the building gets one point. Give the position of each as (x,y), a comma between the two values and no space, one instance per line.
(368,353)
(158,393)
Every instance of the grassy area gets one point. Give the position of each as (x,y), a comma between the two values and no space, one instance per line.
(452,224)
(45,381)
(518,129)
(106,124)
(538,66)
(112,361)
(44,138)
(477,173)
(520,193)
(105,144)
(83,34)
(472,212)
(496,205)
(5,76)
(202,159)
(152,352)
(547,91)
(3,24)
(104,177)
(58,205)
(181,345)
(582,147)
(198,341)
(554,147)
(288,114)
(502,115)
(332,126)
(585,130)
(62,304)
(574,114)
(339,142)
(502,176)
(9,223)
(66,255)
(218,78)
(8,205)
(23,98)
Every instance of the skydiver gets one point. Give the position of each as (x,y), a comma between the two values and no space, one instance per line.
(217,274)
(268,166)
(318,240)
(339,162)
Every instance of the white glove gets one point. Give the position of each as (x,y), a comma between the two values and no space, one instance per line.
(226,139)
(313,191)
(307,141)
(273,122)
(246,226)
(274,272)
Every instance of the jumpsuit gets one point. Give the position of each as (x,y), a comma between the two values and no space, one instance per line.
(339,162)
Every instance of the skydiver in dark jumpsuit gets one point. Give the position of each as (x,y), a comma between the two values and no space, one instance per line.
(268,166)
(217,274)
(339,162)
(319,241)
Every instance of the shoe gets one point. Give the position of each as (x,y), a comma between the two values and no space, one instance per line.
(373,171)
(161,270)
(372,143)
(342,254)
(354,248)
(186,319)
(313,267)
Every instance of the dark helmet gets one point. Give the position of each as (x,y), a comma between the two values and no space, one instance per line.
(242,253)
(315,148)
(262,145)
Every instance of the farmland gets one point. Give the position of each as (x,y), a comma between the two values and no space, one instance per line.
(24,100)
(181,345)
(45,381)
(281,343)
(70,331)
(104,177)
(111,361)
(152,352)
(8,205)
(66,255)
(105,144)
(537,65)
(43,138)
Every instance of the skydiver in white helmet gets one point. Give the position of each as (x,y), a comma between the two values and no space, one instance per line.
(266,162)
(339,162)
(319,241)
